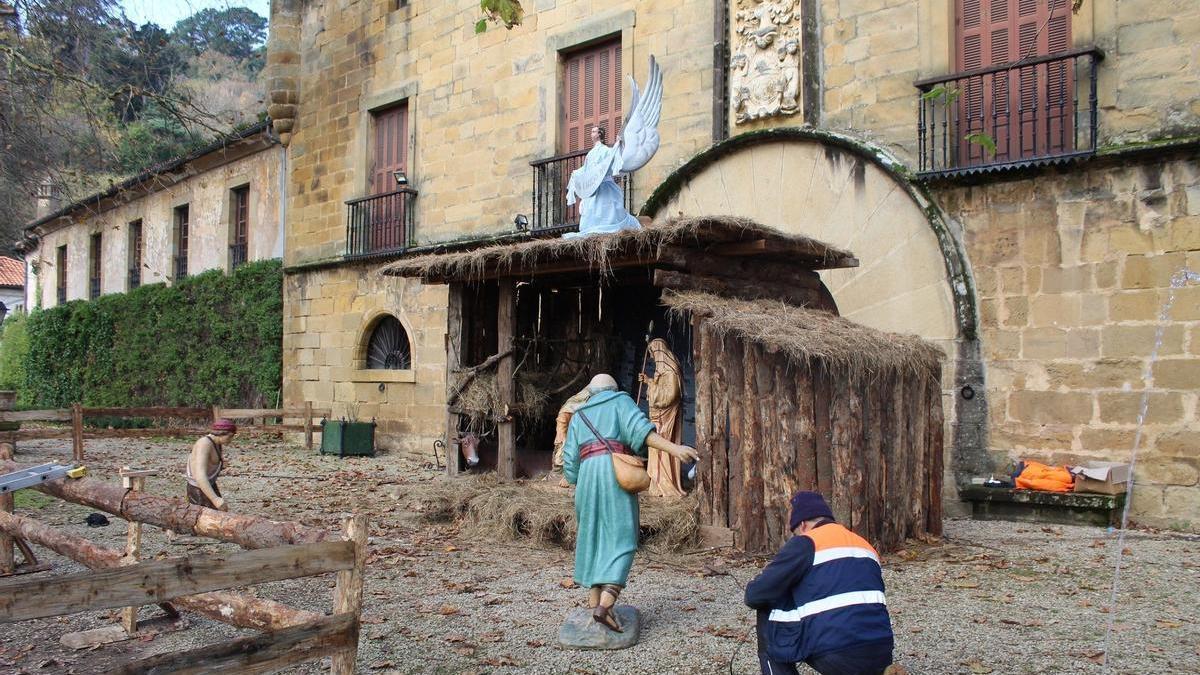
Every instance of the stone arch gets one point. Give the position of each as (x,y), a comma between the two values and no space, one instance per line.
(914,275)
(372,322)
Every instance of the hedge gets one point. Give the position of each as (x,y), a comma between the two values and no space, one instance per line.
(209,339)
(14,352)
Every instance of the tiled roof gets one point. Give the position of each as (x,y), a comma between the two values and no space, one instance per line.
(12,272)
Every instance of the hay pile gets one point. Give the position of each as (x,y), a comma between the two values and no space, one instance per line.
(480,400)
(537,512)
(810,335)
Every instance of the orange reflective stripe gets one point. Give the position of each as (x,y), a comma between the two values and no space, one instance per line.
(834,535)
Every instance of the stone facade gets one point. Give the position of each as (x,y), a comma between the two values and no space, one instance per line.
(204,183)
(480,109)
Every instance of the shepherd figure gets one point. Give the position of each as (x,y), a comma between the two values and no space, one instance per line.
(602,204)
(605,514)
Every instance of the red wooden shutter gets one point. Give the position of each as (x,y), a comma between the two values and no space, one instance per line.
(61,262)
(591,91)
(391,148)
(241,214)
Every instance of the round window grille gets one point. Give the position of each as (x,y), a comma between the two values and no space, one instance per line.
(388,346)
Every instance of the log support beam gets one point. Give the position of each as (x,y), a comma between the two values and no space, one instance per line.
(506,328)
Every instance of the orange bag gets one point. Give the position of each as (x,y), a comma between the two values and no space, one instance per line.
(1038,476)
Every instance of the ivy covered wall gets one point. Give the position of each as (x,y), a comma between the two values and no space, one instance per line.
(210,339)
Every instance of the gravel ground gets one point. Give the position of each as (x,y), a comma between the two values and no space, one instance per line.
(991,598)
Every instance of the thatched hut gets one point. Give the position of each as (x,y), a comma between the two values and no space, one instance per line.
(780,393)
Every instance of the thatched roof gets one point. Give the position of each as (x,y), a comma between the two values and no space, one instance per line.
(806,334)
(602,253)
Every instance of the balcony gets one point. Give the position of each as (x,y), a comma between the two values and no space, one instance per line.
(1036,111)
(550,211)
(380,224)
(237,255)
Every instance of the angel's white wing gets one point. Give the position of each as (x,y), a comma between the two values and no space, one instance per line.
(639,135)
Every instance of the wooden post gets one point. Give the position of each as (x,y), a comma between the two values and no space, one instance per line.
(135,481)
(308,426)
(454,348)
(347,596)
(506,328)
(77,432)
(7,564)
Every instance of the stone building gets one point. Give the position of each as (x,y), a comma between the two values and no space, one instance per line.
(215,208)
(1017,177)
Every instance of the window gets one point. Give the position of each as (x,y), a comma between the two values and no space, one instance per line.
(383,221)
(181,241)
(135,254)
(240,205)
(95,265)
(591,92)
(61,272)
(390,152)
(1026,111)
(388,347)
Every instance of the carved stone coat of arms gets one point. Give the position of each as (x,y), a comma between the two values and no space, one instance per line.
(765,63)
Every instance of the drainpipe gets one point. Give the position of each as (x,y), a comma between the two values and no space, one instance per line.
(281,231)
(720,112)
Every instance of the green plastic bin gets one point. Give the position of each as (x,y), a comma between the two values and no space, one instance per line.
(348,438)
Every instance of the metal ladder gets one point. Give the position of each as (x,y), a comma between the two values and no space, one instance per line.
(41,473)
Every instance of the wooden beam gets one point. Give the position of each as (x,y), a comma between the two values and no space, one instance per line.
(8,564)
(748,269)
(156,581)
(231,608)
(192,413)
(244,530)
(347,595)
(541,269)
(256,654)
(506,328)
(135,481)
(454,350)
(803,253)
(35,416)
(308,426)
(77,432)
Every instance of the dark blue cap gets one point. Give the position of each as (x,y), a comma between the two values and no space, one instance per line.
(806,506)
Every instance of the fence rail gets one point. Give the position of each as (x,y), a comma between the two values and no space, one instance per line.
(550,176)
(380,224)
(1024,113)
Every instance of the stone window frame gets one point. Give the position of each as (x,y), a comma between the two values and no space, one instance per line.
(407,94)
(582,35)
(358,369)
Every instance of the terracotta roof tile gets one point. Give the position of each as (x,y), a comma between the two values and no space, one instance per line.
(12,272)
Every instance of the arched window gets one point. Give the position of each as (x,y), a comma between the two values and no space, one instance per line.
(388,348)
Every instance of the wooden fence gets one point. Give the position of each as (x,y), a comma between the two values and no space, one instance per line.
(117,580)
(77,432)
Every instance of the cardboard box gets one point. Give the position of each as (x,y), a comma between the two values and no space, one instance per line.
(1107,478)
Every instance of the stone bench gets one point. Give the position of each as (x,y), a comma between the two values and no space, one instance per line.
(1068,508)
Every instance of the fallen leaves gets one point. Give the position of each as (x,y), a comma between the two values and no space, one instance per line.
(976,666)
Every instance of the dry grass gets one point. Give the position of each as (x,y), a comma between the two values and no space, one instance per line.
(596,251)
(481,400)
(810,335)
(538,512)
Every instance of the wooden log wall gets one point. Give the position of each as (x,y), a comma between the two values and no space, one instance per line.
(768,427)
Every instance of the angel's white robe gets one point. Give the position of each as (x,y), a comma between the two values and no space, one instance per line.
(602,204)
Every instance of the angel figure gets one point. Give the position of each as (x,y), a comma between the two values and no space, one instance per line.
(602,204)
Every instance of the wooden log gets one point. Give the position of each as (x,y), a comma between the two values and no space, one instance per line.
(737,288)
(735,377)
(822,433)
(96,637)
(35,415)
(133,545)
(858,467)
(842,425)
(308,426)
(771,483)
(19,435)
(231,608)
(884,425)
(156,581)
(347,595)
(788,473)
(251,413)
(77,432)
(898,462)
(804,428)
(918,420)
(256,654)
(759,271)
(937,455)
(8,565)
(872,452)
(506,328)
(720,440)
(188,413)
(702,357)
(244,530)
(752,461)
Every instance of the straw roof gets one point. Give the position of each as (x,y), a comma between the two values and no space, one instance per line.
(602,253)
(807,334)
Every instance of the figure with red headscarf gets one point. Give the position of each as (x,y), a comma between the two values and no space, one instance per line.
(206,463)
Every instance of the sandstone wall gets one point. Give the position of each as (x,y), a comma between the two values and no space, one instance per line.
(1073,270)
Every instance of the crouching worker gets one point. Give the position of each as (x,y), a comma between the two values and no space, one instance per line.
(206,463)
(820,600)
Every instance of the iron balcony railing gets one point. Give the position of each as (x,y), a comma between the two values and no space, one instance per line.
(550,176)
(181,270)
(237,255)
(135,277)
(1034,111)
(380,224)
